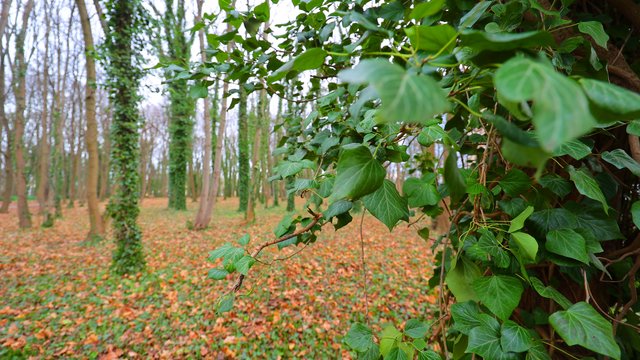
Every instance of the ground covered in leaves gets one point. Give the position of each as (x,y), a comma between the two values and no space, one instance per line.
(59,299)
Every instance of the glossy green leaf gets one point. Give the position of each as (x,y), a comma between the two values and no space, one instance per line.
(359,337)
(218,274)
(453,178)
(514,337)
(624,104)
(358,173)
(527,244)
(481,40)
(460,280)
(387,205)
(635,213)
(405,96)
(596,31)
(587,186)
(556,184)
(582,325)
(426,8)
(336,208)
(515,182)
(574,148)
(465,316)
(415,328)
(568,243)
(518,222)
(620,159)
(244,240)
(472,16)
(432,38)
(420,192)
(499,293)
(244,264)
(485,342)
(560,110)
(389,339)
(549,292)
(310,59)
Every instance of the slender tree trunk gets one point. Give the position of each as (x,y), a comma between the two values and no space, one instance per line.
(253,189)
(4,122)
(243,151)
(42,191)
(96,228)
(24,216)
(217,162)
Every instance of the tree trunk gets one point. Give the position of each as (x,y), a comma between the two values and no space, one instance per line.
(42,186)
(24,216)
(4,122)
(253,189)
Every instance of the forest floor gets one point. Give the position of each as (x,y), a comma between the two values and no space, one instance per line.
(58,298)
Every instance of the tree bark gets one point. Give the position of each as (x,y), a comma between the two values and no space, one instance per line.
(91,136)
(4,122)
(24,216)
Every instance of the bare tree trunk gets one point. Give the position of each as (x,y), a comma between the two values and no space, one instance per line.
(203,222)
(91,136)
(43,158)
(24,216)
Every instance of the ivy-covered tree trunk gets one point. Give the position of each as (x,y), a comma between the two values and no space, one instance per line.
(4,122)
(243,151)
(123,70)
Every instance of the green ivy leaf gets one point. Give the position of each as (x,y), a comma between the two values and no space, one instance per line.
(358,173)
(485,342)
(405,96)
(415,328)
(582,325)
(568,243)
(218,274)
(389,339)
(453,178)
(515,182)
(244,264)
(425,9)
(549,293)
(471,17)
(514,337)
(518,222)
(587,186)
(481,40)
(560,111)
(310,59)
(499,293)
(595,30)
(420,192)
(430,135)
(428,355)
(387,205)
(620,159)
(336,208)
(244,240)
(465,316)
(635,213)
(574,148)
(432,38)
(527,244)
(197,91)
(613,99)
(556,184)
(460,278)
(359,337)
(225,303)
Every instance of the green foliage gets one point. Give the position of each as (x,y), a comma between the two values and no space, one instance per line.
(243,151)
(522,144)
(122,49)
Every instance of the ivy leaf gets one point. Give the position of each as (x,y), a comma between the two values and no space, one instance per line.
(425,9)
(244,240)
(574,148)
(428,355)
(198,91)
(358,173)
(415,328)
(515,182)
(359,337)
(556,184)
(485,342)
(471,17)
(465,316)
(582,325)
(587,186)
(420,192)
(453,178)
(310,59)
(624,104)
(635,213)
(518,222)
(633,127)
(432,38)
(549,292)
(460,279)
(244,264)
(389,339)
(527,243)
(217,274)
(560,111)
(595,30)
(568,243)
(431,134)
(620,159)
(482,40)
(405,96)
(336,208)
(397,353)
(387,205)
(499,293)
(514,337)
(225,303)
